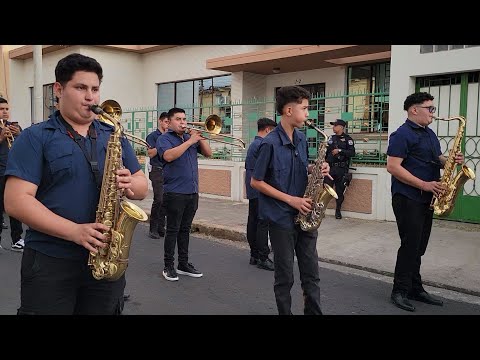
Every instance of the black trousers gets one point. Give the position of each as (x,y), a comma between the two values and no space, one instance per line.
(414,222)
(181,209)
(53,286)
(257,232)
(337,173)
(286,244)
(158,212)
(16,228)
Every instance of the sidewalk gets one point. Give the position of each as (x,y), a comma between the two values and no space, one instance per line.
(452,260)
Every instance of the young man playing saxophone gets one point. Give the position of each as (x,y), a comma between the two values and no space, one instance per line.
(280,176)
(54,179)
(414,160)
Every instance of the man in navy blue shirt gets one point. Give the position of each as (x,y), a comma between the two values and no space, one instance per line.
(257,230)
(280,176)
(16,229)
(414,160)
(53,187)
(178,152)
(157,213)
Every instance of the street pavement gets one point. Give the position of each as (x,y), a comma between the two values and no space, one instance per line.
(230,286)
(452,260)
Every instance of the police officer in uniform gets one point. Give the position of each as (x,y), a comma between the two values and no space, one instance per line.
(340,150)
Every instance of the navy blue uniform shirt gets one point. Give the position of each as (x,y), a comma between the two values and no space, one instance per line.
(180,175)
(152,141)
(250,160)
(46,156)
(420,149)
(283,165)
(343,142)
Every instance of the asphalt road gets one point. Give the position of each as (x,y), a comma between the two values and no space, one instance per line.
(230,286)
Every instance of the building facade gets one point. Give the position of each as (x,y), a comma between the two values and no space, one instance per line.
(364,85)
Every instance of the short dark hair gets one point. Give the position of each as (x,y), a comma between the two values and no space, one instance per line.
(289,94)
(173,111)
(72,63)
(263,123)
(3,101)
(163,115)
(416,98)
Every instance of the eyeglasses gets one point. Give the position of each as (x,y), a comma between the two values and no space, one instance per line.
(431,109)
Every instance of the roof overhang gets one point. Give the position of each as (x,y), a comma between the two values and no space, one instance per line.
(26,52)
(284,59)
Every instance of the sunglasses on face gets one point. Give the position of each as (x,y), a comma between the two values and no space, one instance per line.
(431,109)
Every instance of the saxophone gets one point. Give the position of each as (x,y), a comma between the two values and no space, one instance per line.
(119,215)
(320,193)
(445,202)
(8,134)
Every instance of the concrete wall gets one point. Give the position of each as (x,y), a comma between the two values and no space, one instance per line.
(120,78)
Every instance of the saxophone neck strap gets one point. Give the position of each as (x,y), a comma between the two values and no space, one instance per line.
(80,141)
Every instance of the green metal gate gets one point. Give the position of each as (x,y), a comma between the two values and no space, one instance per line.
(459,94)
(365,113)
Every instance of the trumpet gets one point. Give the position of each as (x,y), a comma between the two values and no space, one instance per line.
(111,109)
(8,134)
(210,129)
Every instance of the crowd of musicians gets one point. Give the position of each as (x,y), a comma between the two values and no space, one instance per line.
(57,169)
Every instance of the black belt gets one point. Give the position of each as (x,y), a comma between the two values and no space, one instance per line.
(340,164)
(157,167)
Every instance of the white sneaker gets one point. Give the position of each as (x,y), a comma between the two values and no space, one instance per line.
(18,246)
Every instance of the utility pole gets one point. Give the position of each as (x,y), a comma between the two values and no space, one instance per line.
(37,84)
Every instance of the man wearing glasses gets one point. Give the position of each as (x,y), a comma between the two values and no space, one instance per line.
(414,160)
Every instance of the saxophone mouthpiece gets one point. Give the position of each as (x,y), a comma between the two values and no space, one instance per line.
(96,109)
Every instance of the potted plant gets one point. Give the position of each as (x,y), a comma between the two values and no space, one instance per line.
(141,152)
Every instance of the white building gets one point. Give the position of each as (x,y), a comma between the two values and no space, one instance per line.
(364,85)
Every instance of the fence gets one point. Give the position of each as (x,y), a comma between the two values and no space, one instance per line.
(365,113)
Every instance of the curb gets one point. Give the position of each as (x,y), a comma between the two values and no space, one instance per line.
(229,233)
(220,231)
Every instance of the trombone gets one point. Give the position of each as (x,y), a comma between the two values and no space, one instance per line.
(113,109)
(212,126)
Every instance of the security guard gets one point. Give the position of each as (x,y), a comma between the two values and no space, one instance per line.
(340,150)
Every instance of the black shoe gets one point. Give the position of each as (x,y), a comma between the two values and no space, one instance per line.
(188,269)
(154,235)
(169,273)
(401,301)
(254,261)
(126,297)
(338,214)
(425,298)
(266,264)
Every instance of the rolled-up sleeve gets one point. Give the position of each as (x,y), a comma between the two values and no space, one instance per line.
(25,159)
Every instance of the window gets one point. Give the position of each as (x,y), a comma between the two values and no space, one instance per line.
(424,49)
(49,103)
(199,98)
(368,97)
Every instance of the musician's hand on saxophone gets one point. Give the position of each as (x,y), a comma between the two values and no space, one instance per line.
(435,187)
(326,170)
(304,205)
(124,181)
(89,235)
(459,159)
